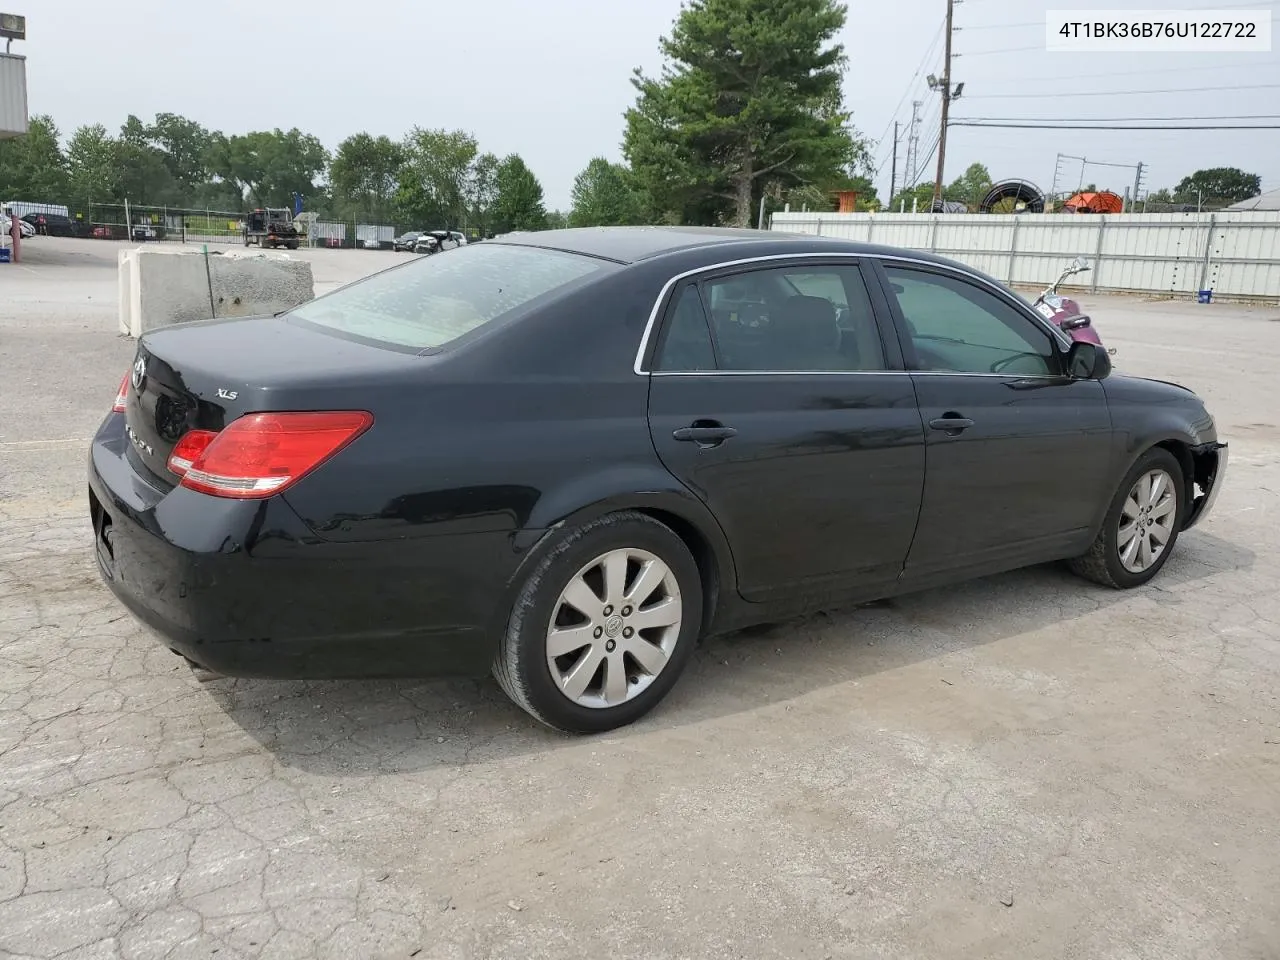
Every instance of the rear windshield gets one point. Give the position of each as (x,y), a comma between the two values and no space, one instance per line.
(441,297)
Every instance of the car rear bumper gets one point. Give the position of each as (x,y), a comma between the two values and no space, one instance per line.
(243,588)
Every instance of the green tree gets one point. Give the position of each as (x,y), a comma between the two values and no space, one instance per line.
(824,196)
(32,167)
(184,145)
(1219,185)
(750,96)
(603,195)
(480,192)
(267,167)
(365,174)
(144,176)
(519,202)
(921,194)
(437,170)
(970,187)
(93,171)
(557,219)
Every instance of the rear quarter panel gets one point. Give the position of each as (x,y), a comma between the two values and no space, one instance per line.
(535,426)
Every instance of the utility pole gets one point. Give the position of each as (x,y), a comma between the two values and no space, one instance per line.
(912,173)
(948,94)
(893,171)
(1137,184)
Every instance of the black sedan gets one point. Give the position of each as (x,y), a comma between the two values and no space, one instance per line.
(406,240)
(565,456)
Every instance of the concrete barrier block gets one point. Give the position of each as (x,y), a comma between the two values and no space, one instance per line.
(126,288)
(161,287)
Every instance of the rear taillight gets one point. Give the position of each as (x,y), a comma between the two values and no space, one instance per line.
(121,395)
(263,453)
(188,450)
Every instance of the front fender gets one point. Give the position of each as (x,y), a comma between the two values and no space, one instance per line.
(1151,413)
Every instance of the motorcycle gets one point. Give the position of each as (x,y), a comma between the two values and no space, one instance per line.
(1064,312)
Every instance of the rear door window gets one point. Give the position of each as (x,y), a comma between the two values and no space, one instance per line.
(686,339)
(795,319)
(431,302)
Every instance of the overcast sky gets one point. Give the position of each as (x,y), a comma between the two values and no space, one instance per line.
(550,79)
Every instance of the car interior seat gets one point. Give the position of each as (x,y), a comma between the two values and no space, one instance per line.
(804,335)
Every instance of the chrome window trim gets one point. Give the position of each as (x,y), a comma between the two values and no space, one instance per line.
(638,366)
(849,373)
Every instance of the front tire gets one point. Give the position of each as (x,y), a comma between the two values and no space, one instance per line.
(1141,526)
(603,626)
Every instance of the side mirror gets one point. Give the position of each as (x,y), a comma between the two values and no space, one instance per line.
(1088,361)
(1075,323)
(1080,265)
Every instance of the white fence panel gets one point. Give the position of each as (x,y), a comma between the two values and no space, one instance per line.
(1233,254)
(376,232)
(329,230)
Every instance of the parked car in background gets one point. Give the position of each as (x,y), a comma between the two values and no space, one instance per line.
(406,241)
(24,228)
(434,241)
(565,456)
(52,224)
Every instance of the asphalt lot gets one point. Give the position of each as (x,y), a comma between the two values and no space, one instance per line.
(1027,766)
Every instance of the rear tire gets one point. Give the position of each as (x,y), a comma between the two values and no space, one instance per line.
(1141,526)
(617,660)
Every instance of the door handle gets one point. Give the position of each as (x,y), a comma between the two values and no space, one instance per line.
(952,424)
(705,433)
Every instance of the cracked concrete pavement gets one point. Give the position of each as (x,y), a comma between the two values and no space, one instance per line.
(1024,766)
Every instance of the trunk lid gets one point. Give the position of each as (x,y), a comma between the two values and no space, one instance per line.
(205,375)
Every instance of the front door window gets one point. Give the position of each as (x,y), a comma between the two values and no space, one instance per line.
(957,327)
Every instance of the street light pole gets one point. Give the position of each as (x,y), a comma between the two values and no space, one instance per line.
(947,96)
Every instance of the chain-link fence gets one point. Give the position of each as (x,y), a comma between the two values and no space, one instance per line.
(142,224)
(148,223)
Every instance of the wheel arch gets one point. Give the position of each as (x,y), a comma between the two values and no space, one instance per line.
(1177,442)
(662,499)
(1181,450)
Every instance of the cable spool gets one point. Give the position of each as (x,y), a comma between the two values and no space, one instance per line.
(1024,195)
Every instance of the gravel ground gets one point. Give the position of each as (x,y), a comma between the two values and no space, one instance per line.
(1024,766)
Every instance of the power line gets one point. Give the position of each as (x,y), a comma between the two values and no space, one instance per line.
(1003,26)
(1250,116)
(1104,126)
(1196,9)
(988,53)
(910,83)
(1116,93)
(1137,73)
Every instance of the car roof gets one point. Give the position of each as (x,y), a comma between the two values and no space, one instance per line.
(630,245)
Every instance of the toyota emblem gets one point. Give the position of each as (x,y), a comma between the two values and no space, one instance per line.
(139,373)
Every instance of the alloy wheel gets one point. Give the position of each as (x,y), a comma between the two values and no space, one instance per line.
(1146,520)
(613,628)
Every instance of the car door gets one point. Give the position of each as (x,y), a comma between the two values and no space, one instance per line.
(1017,454)
(774,399)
